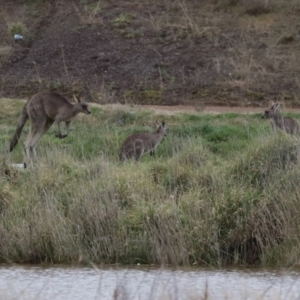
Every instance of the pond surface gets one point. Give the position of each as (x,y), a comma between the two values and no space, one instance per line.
(146,283)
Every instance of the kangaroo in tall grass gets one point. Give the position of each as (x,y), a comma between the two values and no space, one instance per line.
(289,125)
(43,109)
(137,144)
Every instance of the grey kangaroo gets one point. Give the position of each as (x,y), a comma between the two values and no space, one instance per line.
(278,121)
(43,109)
(137,144)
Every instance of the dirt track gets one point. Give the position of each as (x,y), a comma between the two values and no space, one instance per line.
(175,109)
(171,110)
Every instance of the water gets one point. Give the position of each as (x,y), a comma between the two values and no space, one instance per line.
(146,283)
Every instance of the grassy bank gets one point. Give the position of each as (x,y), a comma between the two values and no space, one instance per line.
(221,190)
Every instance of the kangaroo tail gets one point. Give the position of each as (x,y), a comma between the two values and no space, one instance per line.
(22,120)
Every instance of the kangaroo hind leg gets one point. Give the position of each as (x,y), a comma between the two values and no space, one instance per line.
(42,131)
(138,151)
(27,145)
(37,130)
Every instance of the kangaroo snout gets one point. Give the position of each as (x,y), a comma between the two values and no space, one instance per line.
(265,115)
(84,107)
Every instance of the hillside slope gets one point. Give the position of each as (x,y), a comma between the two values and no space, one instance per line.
(217,52)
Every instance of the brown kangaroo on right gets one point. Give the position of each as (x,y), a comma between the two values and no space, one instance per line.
(137,144)
(43,109)
(289,125)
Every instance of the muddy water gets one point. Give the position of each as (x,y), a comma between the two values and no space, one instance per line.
(146,283)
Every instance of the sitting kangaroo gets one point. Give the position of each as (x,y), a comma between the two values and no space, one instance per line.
(278,121)
(43,109)
(140,143)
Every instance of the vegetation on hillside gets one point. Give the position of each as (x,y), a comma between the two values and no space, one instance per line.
(221,190)
(224,52)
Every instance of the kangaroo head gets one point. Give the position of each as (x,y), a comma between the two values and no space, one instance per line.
(162,128)
(82,106)
(270,112)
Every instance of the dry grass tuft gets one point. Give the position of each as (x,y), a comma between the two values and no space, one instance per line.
(89,14)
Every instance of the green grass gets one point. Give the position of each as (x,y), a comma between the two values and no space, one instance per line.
(17,28)
(220,190)
(123,20)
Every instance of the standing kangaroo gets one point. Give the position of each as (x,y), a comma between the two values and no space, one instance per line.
(43,109)
(278,121)
(140,143)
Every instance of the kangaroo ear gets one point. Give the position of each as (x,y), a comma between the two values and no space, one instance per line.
(163,123)
(272,105)
(276,105)
(77,98)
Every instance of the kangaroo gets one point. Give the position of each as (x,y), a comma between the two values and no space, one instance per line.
(289,125)
(137,144)
(43,109)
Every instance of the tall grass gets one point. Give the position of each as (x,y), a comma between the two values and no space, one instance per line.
(221,190)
